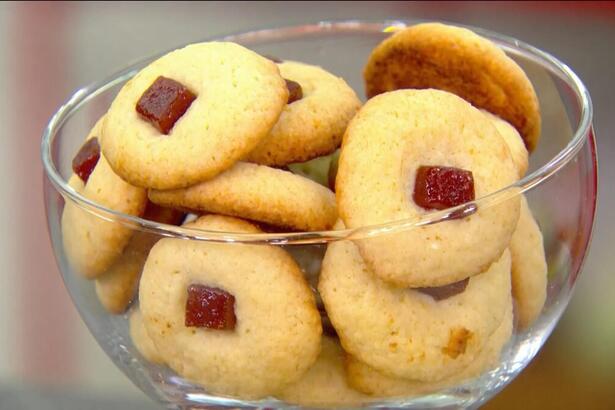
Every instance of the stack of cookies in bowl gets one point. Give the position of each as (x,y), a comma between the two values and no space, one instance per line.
(212,136)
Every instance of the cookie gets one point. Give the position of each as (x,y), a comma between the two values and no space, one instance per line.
(313,125)
(117,286)
(529,268)
(389,144)
(267,331)
(259,193)
(141,340)
(92,244)
(513,140)
(219,100)
(372,382)
(455,59)
(404,332)
(324,385)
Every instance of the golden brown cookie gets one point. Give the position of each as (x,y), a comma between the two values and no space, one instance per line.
(514,141)
(529,268)
(259,193)
(141,340)
(370,381)
(117,286)
(238,97)
(455,59)
(407,333)
(313,125)
(325,384)
(92,244)
(263,331)
(387,144)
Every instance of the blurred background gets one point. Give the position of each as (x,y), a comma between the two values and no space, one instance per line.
(48,360)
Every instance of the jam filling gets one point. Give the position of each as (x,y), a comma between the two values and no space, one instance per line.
(443,187)
(446,291)
(295,93)
(164,102)
(208,307)
(86,159)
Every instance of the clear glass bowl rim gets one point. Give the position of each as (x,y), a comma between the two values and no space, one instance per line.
(509,44)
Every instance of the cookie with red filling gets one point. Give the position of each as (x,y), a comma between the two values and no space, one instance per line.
(91,243)
(191,114)
(238,319)
(410,153)
(313,122)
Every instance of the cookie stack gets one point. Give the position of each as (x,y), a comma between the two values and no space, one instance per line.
(422,309)
(216,130)
(206,130)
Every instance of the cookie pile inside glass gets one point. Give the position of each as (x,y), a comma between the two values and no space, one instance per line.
(216,137)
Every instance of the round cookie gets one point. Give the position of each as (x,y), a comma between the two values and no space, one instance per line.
(388,140)
(239,97)
(404,332)
(324,385)
(514,142)
(259,193)
(117,286)
(529,268)
(370,381)
(455,59)
(92,244)
(141,340)
(277,333)
(312,126)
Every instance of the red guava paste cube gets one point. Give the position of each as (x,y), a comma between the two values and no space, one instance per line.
(86,159)
(209,307)
(442,187)
(295,92)
(164,102)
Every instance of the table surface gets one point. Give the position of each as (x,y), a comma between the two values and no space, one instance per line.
(47,358)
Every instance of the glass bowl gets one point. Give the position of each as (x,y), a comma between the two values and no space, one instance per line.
(561,188)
